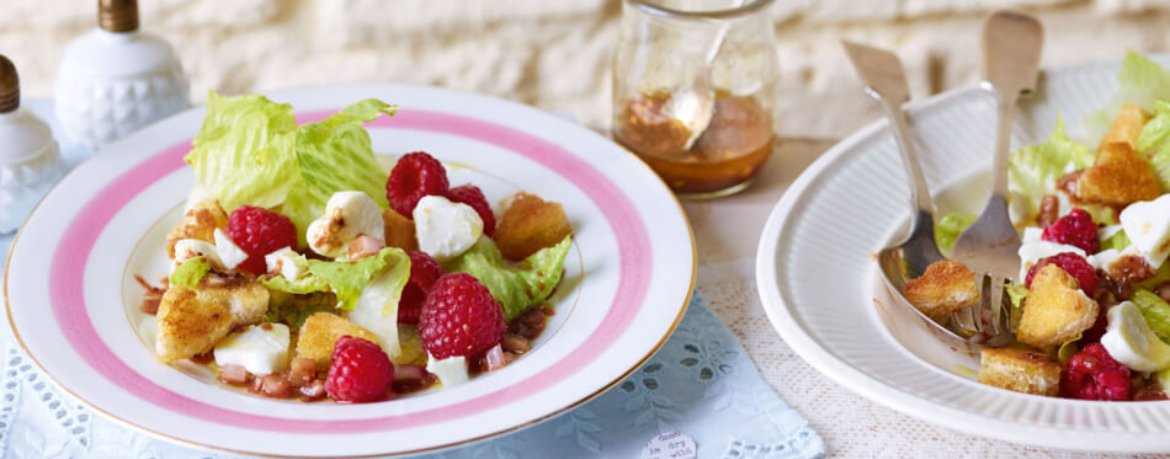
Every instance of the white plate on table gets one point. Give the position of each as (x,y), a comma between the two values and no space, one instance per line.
(73,302)
(820,287)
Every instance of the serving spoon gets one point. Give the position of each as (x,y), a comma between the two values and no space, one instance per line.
(885,81)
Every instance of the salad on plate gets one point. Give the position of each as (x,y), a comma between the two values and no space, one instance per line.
(301,269)
(1090,307)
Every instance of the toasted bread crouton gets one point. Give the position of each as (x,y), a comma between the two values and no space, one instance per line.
(1119,177)
(399,231)
(946,286)
(529,224)
(1055,310)
(187,326)
(247,298)
(199,222)
(191,322)
(320,333)
(1020,370)
(1126,126)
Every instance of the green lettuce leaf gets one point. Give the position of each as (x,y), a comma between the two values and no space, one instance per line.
(1068,349)
(251,152)
(301,286)
(516,288)
(948,229)
(1017,293)
(1033,171)
(190,272)
(244,151)
(293,309)
(376,309)
(1118,241)
(1154,142)
(347,280)
(1155,310)
(335,155)
(304,285)
(1141,81)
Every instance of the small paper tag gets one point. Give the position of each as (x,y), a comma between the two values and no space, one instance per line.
(671,445)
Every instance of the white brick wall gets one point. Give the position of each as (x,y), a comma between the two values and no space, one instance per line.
(555,54)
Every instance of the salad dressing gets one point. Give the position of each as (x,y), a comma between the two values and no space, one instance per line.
(731,150)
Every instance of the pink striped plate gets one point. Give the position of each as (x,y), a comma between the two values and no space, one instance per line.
(72,299)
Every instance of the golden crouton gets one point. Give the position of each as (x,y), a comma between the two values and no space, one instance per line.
(199,222)
(191,322)
(1119,177)
(1126,126)
(946,286)
(1020,370)
(320,333)
(187,326)
(399,231)
(529,224)
(1055,310)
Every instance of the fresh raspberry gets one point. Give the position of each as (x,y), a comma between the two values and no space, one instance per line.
(1073,264)
(1092,374)
(1076,229)
(473,196)
(360,371)
(460,318)
(260,232)
(424,271)
(416,175)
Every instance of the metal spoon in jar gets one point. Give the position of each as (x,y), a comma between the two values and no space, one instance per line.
(694,106)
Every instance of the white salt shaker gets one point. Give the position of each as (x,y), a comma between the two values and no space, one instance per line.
(114,79)
(30,163)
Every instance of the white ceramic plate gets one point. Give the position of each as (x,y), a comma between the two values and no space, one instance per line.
(819,285)
(72,298)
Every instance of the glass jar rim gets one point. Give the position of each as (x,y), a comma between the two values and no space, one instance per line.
(748,8)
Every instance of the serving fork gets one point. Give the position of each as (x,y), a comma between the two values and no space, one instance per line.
(1011,56)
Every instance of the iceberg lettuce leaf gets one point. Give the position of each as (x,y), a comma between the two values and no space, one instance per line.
(348,279)
(250,151)
(190,272)
(1033,171)
(1141,81)
(948,229)
(1155,310)
(335,155)
(516,288)
(1153,142)
(243,152)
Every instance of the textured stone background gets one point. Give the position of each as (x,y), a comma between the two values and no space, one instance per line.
(555,54)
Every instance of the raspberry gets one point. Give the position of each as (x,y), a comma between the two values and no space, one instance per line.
(471,195)
(416,175)
(424,271)
(360,371)
(1076,229)
(1092,374)
(260,232)
(1073,264)
(460,318)
(1094,333)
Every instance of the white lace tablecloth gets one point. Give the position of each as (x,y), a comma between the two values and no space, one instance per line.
(726,232)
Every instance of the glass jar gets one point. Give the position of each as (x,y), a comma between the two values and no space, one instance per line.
(661,74)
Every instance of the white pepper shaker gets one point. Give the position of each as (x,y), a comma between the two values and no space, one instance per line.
(114,79)
(30,163)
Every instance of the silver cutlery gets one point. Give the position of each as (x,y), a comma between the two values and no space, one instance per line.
(1012,44)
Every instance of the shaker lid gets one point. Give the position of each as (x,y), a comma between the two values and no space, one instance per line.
(118,15)
(9,86)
